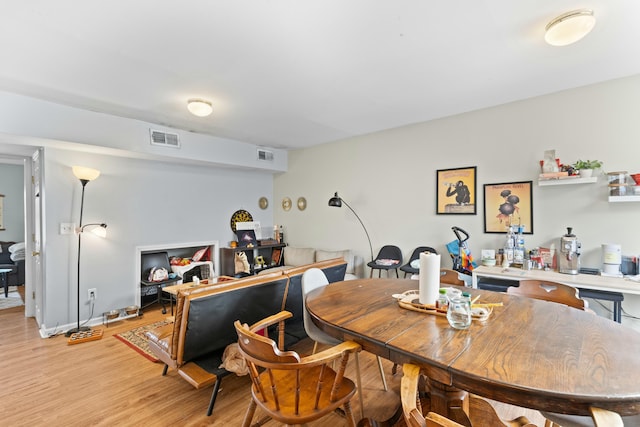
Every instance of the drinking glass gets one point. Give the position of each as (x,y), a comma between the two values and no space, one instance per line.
(459,313)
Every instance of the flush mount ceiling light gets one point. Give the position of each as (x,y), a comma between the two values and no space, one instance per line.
(569,27)
(199,107)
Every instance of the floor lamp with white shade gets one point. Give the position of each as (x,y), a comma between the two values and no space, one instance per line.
(85,175)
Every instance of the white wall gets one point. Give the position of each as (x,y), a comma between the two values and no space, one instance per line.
(389,177)
(12,187)
(144,203)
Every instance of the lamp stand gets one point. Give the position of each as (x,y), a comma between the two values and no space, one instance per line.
(79,328)
(337,201)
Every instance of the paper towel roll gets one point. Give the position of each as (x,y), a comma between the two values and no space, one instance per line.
(429,277)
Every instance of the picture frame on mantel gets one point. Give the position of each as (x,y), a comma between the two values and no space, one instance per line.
(508,203)
(456,191)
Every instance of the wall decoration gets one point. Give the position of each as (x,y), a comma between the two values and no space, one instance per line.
(456,191)
(510,203)
(240,216)
(286,203)
(263,202)
(246,238)
(302,203)
(2,212)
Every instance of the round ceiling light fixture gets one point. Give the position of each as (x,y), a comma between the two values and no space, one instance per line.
(199,107)
(569,27)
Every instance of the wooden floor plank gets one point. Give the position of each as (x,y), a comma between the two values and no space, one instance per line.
(106,383)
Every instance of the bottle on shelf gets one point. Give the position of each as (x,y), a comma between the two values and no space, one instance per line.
(519,249)
(509,247)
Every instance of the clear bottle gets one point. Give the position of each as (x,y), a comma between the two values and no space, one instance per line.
(509,247)
(519,249)
(467,297)
(442,302)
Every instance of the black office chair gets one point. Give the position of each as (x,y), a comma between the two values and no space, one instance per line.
(414,256)
(157,260)
(389,258)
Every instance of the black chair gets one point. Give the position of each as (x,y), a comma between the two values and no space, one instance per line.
(157,260)
(414,256)
(389,258)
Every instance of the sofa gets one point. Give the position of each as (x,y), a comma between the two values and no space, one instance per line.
(12,257)
(296,257)
(195,342)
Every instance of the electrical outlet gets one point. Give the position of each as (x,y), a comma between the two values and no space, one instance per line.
(67,227)
(92,294)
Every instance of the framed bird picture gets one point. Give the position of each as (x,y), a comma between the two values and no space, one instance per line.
(456,191)
(509,203)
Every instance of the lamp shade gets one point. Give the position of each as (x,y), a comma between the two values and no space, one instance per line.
(569,27)
(199,107)
(86,174)
(335,201)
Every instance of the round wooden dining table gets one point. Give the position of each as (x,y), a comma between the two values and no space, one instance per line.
(530,353)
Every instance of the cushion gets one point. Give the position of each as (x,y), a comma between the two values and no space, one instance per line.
(347,255)
(296,257)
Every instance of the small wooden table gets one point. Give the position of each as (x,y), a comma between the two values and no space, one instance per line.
(529,353)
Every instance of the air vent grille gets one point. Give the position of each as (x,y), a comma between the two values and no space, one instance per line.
(164,139)
(265,155)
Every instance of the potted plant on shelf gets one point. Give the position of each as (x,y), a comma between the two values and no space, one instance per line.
(586,167)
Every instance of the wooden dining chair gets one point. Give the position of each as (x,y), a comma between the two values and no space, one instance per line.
(450,277)
(567,295)
(480,410)
(549,291)
(292,389)
(599,418)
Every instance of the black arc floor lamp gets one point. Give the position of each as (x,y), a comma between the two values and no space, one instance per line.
(84,175)
(337,201)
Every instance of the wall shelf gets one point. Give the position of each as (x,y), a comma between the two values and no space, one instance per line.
(619,199)
(567,181)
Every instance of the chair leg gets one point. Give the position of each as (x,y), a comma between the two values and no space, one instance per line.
(384,379)
(315,347)
(249,415)
(164,370)
(359,384)
(351,422)
(397,275)
(216,388)
(160,300)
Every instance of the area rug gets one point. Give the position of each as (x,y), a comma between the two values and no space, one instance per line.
(137,340)
(13,300)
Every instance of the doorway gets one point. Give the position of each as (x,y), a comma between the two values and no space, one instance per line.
(30,159)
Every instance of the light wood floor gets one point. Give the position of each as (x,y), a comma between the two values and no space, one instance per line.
(105,383)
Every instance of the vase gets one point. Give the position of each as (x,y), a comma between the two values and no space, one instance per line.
(586,173)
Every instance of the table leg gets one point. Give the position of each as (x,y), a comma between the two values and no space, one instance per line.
(450,402)
(5,283)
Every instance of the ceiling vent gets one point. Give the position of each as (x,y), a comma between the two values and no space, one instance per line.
(164,139)
(265,155)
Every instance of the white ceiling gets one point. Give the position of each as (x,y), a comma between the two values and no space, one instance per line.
(295,73)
